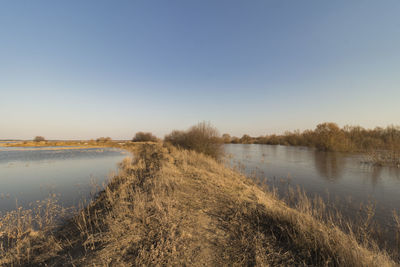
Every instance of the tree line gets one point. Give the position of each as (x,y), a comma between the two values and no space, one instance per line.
(329,136)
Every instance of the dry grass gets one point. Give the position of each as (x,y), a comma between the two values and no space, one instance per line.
(397,220)
(67,144)
(26,235)
(50,143)
(177,207)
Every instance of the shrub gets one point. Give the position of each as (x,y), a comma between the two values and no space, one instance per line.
(226,138)
(329,137)
(103,139)
(39,139)
(246,139)
(144,137)
(203,138)
(177,138)
(235,140)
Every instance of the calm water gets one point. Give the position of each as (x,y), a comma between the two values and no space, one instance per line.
(30,174)
(334,176)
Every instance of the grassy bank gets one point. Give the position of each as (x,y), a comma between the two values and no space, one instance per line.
(179,207)
(60,145)
(81,144)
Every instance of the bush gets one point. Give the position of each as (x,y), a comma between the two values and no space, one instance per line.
(39,139)
(226,138)
(144,137)
(235,140)
(177,138)
(202,138)
(246,139)
(329,137)
(103,139)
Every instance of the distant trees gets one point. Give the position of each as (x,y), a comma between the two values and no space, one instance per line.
(235,140)
(246,139)
(39,139)
(226,138)
(144,137)
(328,136)
(272,139)
(203,138)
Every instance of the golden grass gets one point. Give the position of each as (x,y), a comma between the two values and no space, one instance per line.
(175,207)
(78,144)
(27,233)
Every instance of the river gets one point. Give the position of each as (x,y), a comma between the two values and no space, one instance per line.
(341,179)
(31,174)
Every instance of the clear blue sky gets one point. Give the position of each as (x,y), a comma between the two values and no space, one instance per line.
(84,69)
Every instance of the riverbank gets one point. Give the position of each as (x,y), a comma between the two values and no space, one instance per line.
(173,207)
(61,144)
(381,146)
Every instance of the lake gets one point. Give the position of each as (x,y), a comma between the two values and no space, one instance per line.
(339,178)
(31,174)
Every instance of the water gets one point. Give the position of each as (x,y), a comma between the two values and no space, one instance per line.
(337,177)
(31,174)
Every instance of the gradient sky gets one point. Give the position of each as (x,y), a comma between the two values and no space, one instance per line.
(84,69)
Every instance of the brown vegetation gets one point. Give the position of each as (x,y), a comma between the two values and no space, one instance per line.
(103,139)
(169,207)
(383,144)
(144,137)
(203,138)
(39,139)
(60,144)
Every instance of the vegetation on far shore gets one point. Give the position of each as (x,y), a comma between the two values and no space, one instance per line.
(173,207)
(39,139)
(382,145)
(99,142)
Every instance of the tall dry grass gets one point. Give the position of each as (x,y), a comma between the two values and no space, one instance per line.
(26,235)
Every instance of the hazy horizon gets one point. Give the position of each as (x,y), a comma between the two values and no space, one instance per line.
(81,70)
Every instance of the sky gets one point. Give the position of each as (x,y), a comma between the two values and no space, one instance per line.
(85,69)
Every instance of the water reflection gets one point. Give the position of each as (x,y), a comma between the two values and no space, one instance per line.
(328,166)
(375,174)
(330,175)
(28,175)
